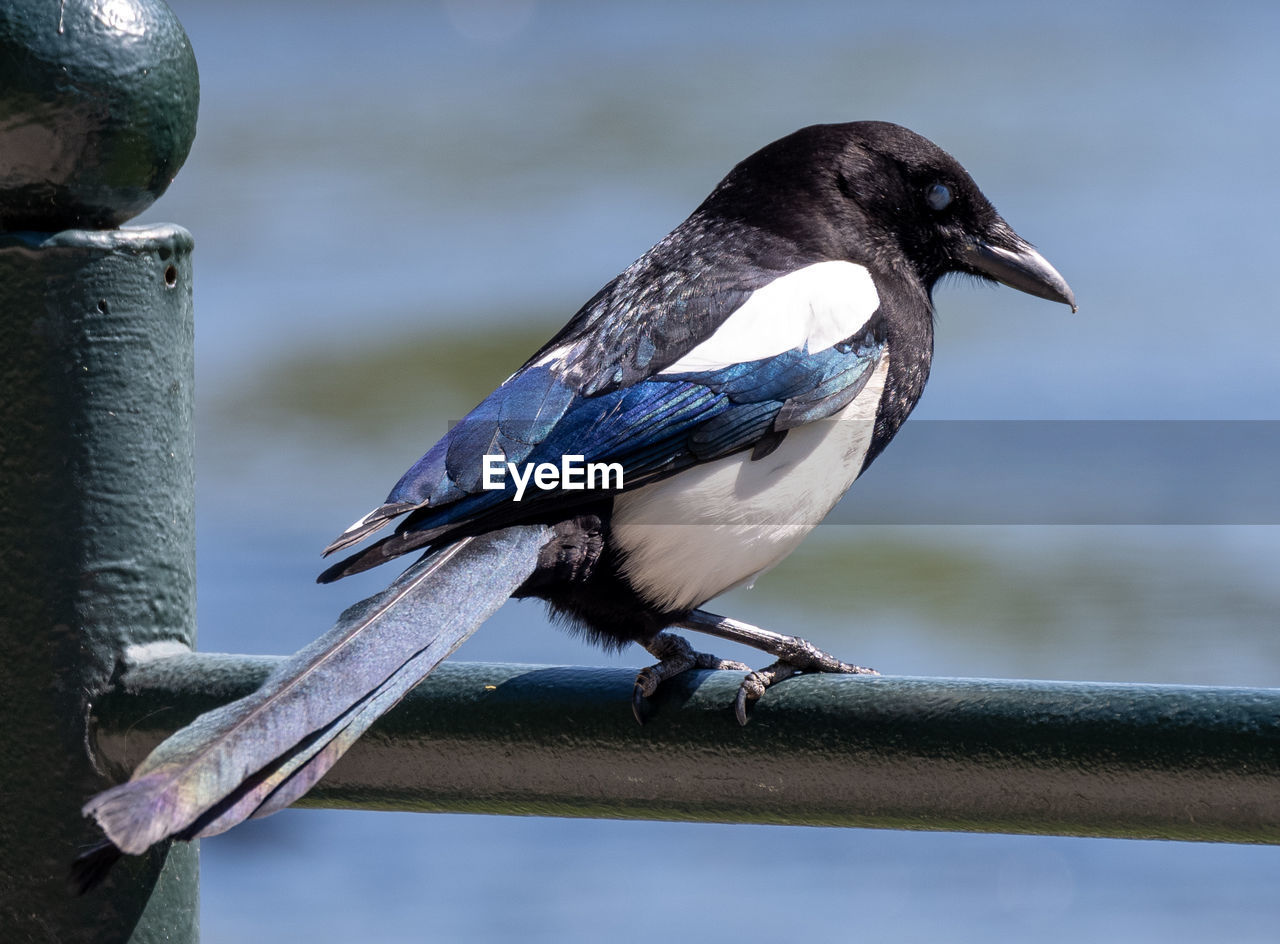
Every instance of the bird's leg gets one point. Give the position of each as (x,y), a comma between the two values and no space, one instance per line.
(675,656)
(793,654)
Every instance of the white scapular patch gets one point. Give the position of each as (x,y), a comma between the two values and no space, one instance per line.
(554,357)
(811,308)
(722,524)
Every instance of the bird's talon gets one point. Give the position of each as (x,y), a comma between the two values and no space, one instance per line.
(676,657)
(740,704)
(646,682)
(752,687)
(639,703)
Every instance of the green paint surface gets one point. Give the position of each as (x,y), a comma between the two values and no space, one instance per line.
(97,532)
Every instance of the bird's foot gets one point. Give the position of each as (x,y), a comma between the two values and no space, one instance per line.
(809,658)
(794,655)
(675,656)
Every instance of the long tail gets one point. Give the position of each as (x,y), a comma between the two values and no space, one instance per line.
(259,754)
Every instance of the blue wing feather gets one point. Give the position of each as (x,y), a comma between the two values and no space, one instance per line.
(653,428)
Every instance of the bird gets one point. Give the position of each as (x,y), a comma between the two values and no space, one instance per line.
(729,386)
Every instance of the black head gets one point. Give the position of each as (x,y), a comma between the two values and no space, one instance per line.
(876,193)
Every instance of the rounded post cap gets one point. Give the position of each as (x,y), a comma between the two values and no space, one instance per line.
(98,103)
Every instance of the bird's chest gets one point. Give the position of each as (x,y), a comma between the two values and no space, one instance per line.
(690,537)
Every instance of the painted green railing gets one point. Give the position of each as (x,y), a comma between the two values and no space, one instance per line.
(1068,758)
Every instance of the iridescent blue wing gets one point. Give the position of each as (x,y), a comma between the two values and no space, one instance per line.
(652,429)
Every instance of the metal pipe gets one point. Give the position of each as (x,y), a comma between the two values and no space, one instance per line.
(98,537)
(97,534)
(1137,761)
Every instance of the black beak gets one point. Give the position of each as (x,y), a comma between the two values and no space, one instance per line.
(1021,267)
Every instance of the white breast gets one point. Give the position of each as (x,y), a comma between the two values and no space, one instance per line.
(721,524)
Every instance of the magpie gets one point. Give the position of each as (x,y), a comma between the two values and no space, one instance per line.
(739,376)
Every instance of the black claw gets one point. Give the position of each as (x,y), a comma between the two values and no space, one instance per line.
(740,705)
(639,703)
(752,687)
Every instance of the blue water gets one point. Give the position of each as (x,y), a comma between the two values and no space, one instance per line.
(386,175)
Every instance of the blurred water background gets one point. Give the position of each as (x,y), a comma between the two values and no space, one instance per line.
(395,202)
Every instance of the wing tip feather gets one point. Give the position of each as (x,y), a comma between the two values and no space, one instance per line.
(135,815)
(392,546)
(362,528)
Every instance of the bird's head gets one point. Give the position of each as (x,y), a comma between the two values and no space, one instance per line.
(876,193)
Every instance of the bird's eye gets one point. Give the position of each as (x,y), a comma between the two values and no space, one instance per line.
(938,196)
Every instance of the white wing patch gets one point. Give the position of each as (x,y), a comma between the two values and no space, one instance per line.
(811,308)
(554,357)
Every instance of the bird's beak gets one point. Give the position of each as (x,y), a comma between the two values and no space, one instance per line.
(1021,267)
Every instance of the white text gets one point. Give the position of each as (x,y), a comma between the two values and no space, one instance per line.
(573,473)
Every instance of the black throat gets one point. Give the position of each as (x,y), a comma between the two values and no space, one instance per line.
(906,314)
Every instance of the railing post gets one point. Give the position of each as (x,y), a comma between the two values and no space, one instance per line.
(97,539)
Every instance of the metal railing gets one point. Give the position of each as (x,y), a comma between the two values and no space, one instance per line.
(1067,758)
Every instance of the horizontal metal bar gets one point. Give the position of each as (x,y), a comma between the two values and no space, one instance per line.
(1138,761)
